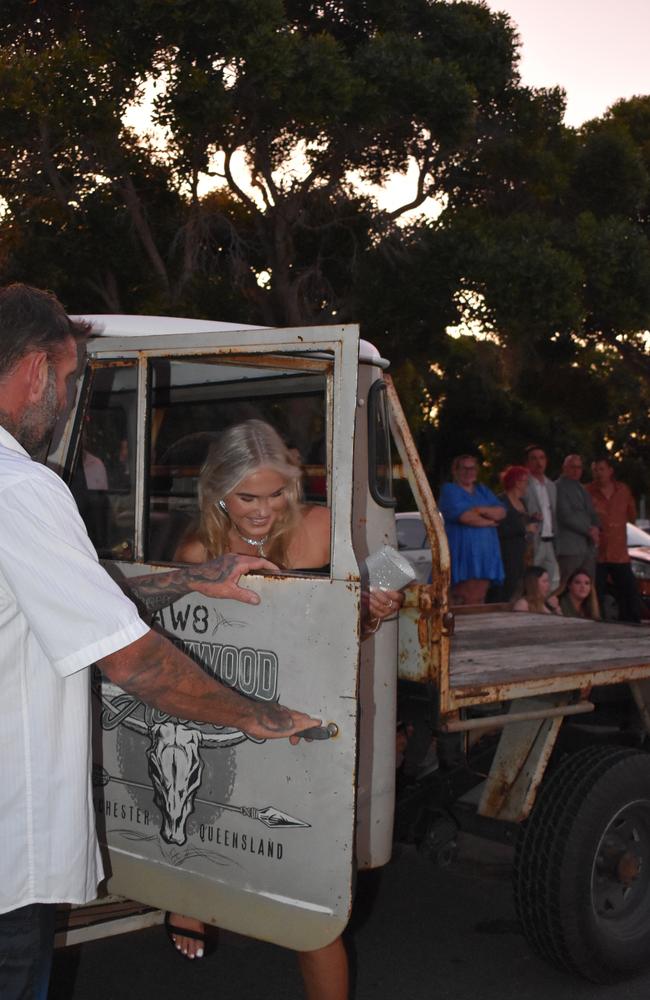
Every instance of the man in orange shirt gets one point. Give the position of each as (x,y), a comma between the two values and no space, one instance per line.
(615,507)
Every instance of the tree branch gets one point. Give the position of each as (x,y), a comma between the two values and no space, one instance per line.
(270,193)
(232,183)
(50,166)
(107,291)
(134,205)
(422,193)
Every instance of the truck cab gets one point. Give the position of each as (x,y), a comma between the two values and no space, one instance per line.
(260,838)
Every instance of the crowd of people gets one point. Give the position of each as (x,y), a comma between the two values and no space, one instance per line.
(553,547)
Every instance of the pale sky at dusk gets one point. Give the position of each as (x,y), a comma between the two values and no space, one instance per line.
(598,50)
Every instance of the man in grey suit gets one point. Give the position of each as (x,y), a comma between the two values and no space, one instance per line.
(577,521)
(540,500)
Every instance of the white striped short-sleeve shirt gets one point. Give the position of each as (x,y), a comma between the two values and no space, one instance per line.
(59,612)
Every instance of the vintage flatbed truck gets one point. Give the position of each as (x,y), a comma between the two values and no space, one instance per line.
(528,728)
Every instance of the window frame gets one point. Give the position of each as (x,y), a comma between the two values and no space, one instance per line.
(333,351)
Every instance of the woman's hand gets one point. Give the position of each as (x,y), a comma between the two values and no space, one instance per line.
(376,605)
(384,603)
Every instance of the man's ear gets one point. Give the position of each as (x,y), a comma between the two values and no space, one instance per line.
(35,373)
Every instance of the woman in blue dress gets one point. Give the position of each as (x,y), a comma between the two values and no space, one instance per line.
(471,513)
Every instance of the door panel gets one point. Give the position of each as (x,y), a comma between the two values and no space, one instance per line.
(221,819)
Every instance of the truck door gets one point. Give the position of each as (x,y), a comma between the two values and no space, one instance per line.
(256,837)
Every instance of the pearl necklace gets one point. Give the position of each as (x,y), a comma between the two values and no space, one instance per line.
(257,543)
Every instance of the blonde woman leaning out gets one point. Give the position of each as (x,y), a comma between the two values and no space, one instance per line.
(250,503)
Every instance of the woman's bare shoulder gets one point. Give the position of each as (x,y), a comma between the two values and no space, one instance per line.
(315,517)
(310,545)
(191,550)
(520,605)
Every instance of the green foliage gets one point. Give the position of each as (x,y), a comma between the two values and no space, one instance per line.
(610,177)
(542,241)
(334,88)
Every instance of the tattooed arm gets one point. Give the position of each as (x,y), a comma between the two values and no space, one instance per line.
(216,578)
(158,673)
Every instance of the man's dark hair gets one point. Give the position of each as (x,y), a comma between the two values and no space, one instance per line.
(607,459)
(533,447)
(33,320)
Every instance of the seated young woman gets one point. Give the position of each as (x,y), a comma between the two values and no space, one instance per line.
(578,598)
(534,594)
(250,503)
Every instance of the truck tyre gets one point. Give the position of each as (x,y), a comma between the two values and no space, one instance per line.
(582,865)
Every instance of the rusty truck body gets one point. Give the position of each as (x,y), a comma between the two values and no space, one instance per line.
(525,728)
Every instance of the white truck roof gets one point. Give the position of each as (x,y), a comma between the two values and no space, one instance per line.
(124,325)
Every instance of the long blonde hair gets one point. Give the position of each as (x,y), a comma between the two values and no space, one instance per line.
(239,452)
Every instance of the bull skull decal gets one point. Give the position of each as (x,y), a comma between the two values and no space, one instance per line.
(175,768)
(174,759)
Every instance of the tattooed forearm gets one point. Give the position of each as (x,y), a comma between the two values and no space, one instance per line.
(157,590)
(161,675)
(152,593)
(158,673)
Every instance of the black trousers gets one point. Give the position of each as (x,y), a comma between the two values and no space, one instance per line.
(26,946)
(624,587)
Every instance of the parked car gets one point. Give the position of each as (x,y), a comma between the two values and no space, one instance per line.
(412,542)
(638,547)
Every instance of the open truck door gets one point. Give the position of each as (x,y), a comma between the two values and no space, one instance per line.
(256,837)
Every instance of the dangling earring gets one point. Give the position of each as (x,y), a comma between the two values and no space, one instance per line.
(222,504)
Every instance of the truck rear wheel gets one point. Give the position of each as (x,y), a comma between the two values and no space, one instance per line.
(582,865)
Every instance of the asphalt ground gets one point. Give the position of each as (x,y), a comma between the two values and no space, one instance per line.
(417,933)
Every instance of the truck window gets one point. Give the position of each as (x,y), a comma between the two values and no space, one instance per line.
(102,479)
(380,477)
(189,401)
(192,401)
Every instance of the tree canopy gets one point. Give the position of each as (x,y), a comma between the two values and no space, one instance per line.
(294,104)
(251,200)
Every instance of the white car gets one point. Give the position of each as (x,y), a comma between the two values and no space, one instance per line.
(638,547)
(413,543)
